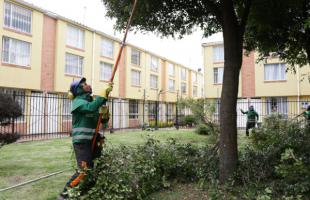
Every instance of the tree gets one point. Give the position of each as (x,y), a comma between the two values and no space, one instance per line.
(180,17)
(286,36)
(8,109)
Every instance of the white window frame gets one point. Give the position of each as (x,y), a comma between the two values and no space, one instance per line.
(79,66)
(21,21)
(135,57)
(171,69)
(133,109)
(218,53)
(194,77)
(105,71)
(14,53)
(275,72)
(277,105)
(218,73)
(107,48)
(154,63)
(171,86)
(135,78)
(75,39)
(153,81)
(183,88)
(183,74)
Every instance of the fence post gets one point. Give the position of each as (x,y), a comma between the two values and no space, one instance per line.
(112,117)
(143,111)
(13,119)
(156,115)
(167,114)
(177,112)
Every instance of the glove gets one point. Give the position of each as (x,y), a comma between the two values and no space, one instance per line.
(105,93)
(70,96)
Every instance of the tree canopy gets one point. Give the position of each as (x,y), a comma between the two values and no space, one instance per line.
(166,17)
(282,28)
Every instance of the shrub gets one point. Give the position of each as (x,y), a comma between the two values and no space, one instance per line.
(189,120)
(279,160)
(8,109)
(134,173)
(209,128)
(202,129)
(7,138)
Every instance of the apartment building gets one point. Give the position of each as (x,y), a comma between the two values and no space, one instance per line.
(42,53)
(264,84)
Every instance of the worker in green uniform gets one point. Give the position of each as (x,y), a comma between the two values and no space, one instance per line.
(252,118)
(306,114)
(85,113)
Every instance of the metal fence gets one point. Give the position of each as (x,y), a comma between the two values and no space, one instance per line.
(47,115)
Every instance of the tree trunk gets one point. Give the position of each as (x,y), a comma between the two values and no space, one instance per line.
(228,117)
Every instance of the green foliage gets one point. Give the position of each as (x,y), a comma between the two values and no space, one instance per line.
(202,109)
(9,109)
(7,138)
(189,120)
(287,35)
(165,17)
(279,159)
(134,173)
(207,129)
(161,124)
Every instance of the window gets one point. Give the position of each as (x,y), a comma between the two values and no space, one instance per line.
(15,52)
(105,71)
(75,37)
(218,54)
(152,110)
(202,94)
(74,64)
(183,74)
(277,105)
(183,88)
(154,82)
(154,64)
(195,91)
(218,75)
(170,112)
(171,85)
(107,48)
(135,57)
(135,77)
(17,18)
(133,109)
(194,77)
(171,69)
(274,72)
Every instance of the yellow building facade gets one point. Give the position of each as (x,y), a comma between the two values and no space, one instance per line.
(42,53)
(266,84)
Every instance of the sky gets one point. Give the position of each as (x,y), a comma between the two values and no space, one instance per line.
(186,51)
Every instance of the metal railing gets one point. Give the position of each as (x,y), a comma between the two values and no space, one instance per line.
(47,115)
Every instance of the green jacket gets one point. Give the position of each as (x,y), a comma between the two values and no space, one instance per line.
(307,114)
(85,113)
(251,115)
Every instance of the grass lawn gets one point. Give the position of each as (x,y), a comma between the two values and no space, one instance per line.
(20,162)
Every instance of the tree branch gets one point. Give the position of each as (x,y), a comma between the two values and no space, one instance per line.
(214,9)
(245,15)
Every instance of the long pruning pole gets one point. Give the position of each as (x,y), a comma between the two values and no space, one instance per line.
(115,68)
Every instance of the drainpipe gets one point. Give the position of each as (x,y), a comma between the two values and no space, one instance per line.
(298,89)
(93,61)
